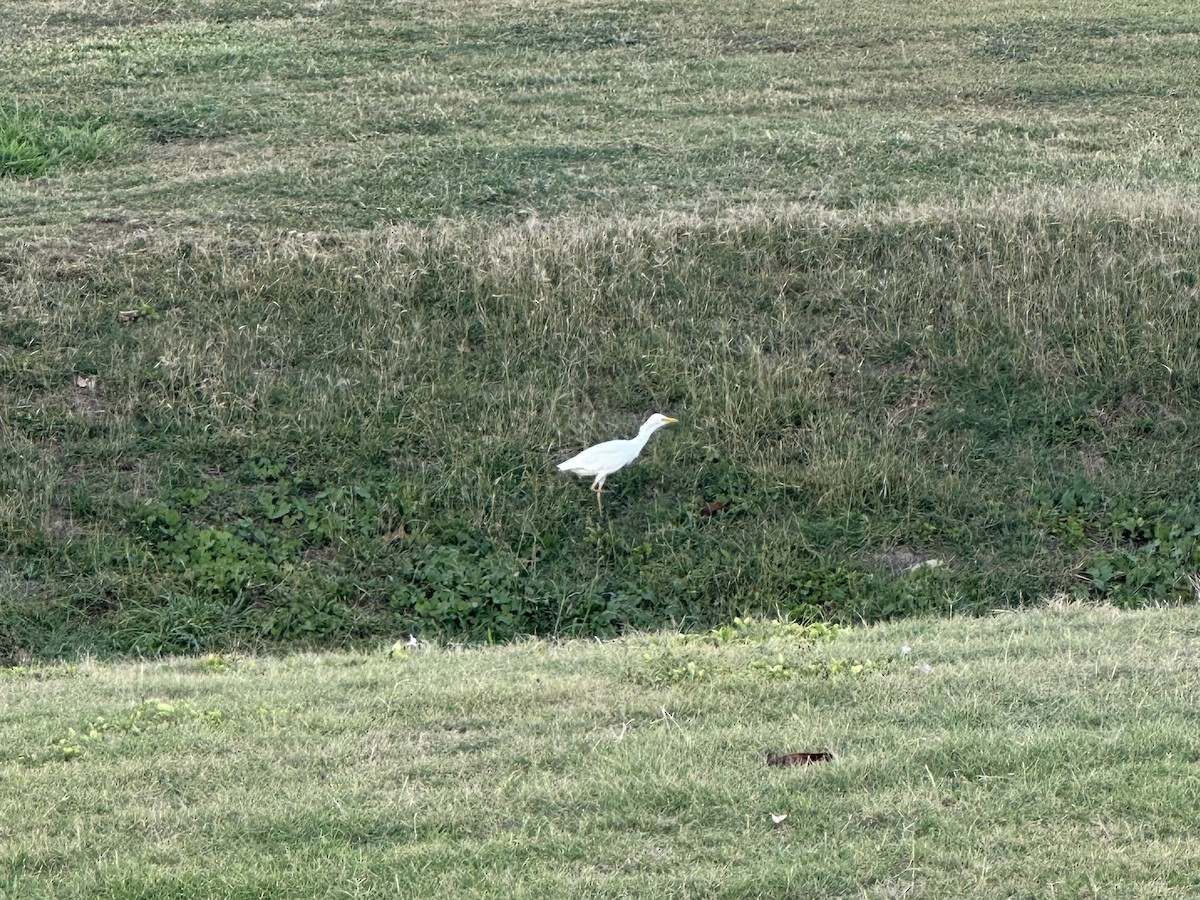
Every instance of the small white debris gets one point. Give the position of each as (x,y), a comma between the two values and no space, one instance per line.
(403,649)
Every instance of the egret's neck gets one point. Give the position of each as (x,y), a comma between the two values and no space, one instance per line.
(643,435)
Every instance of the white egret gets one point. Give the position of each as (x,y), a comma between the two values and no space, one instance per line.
(604,459)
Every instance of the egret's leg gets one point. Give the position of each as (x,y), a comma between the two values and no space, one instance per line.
(598,487)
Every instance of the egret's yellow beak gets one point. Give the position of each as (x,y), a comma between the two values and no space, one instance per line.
(671,421)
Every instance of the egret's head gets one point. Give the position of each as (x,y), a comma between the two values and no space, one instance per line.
(657,421)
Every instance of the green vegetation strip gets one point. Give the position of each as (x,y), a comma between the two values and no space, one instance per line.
(1050,751)
(328,439)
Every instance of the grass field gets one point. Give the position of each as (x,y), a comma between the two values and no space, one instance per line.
(303,302)
(1037,754)
(315,116)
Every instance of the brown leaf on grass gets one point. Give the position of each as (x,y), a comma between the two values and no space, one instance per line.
(395,535)
(802,758)
(712,509)
(85,382)
(128,315)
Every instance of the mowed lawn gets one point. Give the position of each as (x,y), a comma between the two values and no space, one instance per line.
(322,117)
(1052,752)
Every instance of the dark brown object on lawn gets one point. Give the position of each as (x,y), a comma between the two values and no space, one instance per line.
(798,759)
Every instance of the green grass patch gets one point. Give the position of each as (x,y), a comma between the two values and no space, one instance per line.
(30,145)
(1010,755)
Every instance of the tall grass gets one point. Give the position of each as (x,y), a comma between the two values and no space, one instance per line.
(996,386)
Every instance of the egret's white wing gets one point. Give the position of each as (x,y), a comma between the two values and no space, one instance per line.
(606,457)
